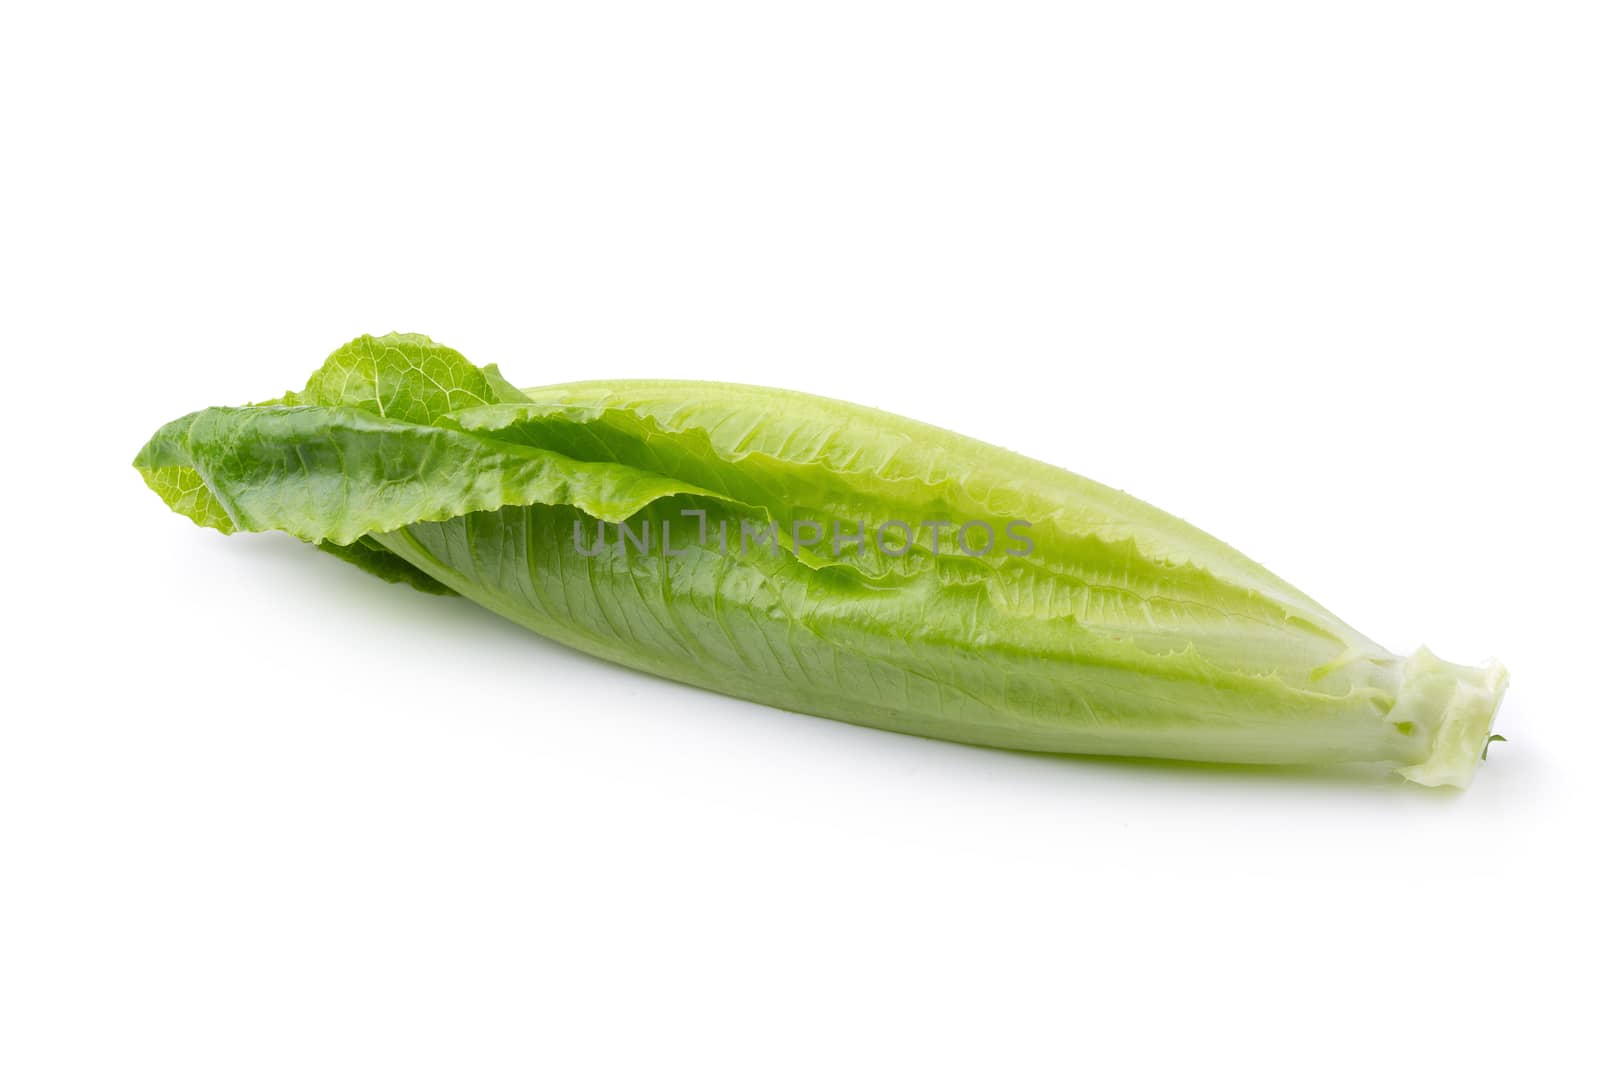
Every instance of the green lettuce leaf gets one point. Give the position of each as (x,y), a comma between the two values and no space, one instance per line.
(1094,623)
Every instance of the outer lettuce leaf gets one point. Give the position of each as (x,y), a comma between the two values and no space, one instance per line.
(339,473)
(378,561)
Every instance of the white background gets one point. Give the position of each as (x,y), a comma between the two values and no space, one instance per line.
(1320,278)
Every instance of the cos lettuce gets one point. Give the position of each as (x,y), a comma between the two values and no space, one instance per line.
(821,557)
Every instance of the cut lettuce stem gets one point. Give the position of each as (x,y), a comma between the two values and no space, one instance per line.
(1454,707)
(1101,626)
